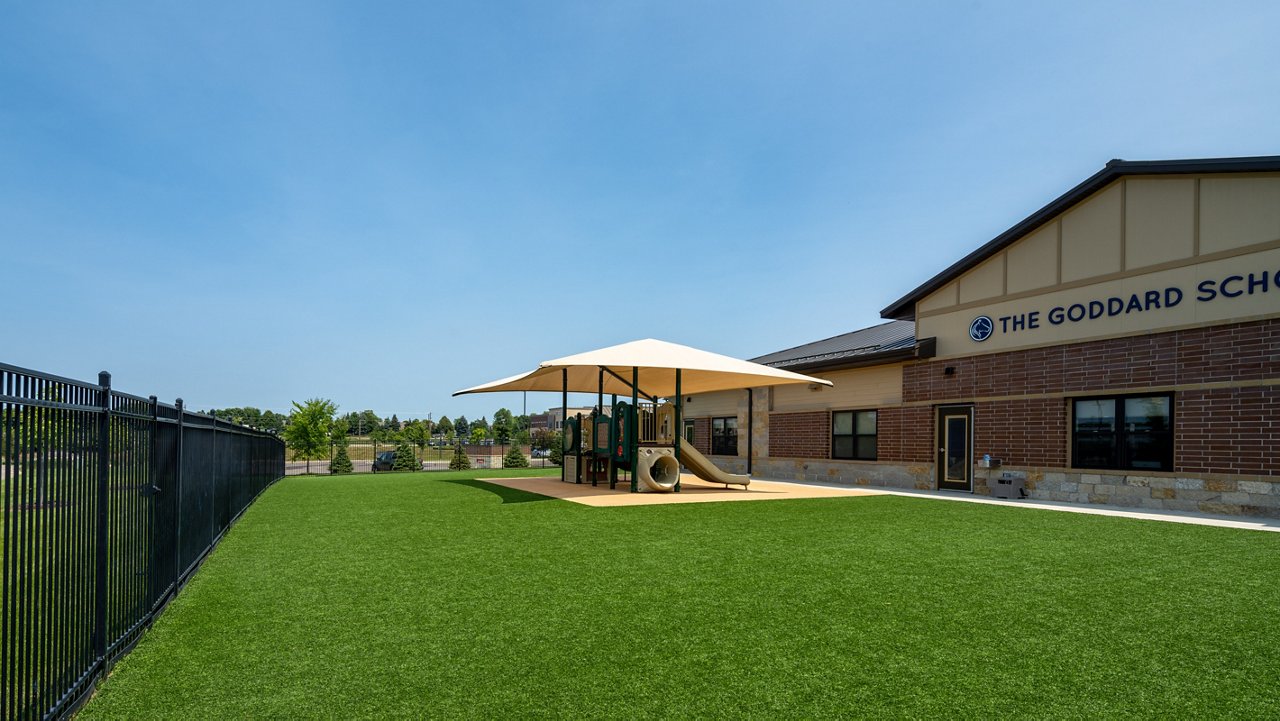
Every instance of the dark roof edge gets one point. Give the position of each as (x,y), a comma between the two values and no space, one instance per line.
(924,348)
(904,307)
(822,340)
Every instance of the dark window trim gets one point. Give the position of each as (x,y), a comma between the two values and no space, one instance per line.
(1122,463)
(875,455)
(713,435)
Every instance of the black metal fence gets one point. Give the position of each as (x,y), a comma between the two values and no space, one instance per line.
(110,503)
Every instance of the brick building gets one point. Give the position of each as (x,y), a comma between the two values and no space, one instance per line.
(1121,345)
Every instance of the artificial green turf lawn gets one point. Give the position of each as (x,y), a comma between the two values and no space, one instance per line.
(433,595)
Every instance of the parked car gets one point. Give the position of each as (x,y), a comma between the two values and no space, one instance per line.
(541,453)
(383,461)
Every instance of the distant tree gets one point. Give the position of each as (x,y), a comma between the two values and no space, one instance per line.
(515,459)
(522,437)
(307,434)
(478,435)
(444,427)
(247,416)
(341,462)
(504,425)
(273,422)
(459,462)
(393,424)
(365,422)
(556,454)
(404,459)
(462,427)
(544,439)
(482,423)
(418,433)
(338,432)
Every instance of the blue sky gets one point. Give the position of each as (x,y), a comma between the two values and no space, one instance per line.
(380,203)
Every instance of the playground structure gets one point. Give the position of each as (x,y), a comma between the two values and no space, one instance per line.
(639,438)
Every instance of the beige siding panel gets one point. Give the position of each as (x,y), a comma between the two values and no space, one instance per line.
(1033,261)
(985,281)
(1159,220)
(706,405)
(858,388)
(1091,236)
(944,297)
(1238,212)
(952,329)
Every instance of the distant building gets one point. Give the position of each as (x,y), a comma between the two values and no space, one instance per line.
(553,419)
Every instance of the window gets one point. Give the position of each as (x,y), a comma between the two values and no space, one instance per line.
(724,436)
(690,431)
(853,435)
(1123,433)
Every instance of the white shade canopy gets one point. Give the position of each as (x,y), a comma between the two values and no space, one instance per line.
(656,362)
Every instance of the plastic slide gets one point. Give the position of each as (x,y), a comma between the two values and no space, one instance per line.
(708,471)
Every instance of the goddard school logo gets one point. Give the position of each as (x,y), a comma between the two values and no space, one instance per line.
(981,328)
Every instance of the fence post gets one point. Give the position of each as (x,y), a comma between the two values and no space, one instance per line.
(177,482)
(100,562)
(153,549)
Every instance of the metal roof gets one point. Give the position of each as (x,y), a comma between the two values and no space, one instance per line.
(905,307)
(868,344)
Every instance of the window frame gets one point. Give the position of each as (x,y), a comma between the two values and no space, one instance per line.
(1121,460)
(713,447)
(875,437)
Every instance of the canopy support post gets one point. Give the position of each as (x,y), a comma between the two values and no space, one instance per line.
(632,435)
(595,428)
(564,416)
(613,423)
(577,451)
(679,427)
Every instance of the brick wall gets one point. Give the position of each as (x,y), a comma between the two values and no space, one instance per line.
(800,435)
(904,434)
(1239,352)
(702,435)
(1228,430)
(1024,432)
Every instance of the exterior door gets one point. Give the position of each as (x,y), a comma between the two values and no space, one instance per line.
(955,448)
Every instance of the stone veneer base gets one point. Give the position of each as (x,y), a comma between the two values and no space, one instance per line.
(1239,497)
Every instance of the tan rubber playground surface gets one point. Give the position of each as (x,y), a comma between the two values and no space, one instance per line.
(692,490)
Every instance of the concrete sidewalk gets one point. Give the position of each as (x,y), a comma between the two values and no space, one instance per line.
(1199,519)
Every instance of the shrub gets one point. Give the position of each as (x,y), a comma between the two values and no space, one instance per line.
(341,462)
(515,459)
(557,454)
(405,460)
(459,462)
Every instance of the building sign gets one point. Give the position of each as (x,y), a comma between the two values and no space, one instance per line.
(1149,301)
